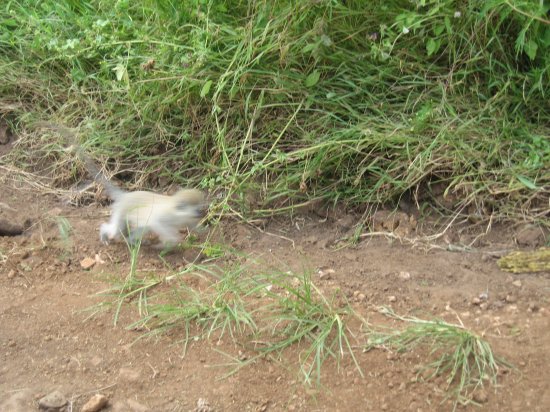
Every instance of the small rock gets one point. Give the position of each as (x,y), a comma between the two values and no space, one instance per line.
(510,299)
(533,307)
(481,396)
(361,297)
(404,275)
(517,283)
(52,401)
(203,406)
(87,263)
(392,299)
(95,403)
(325,273)
(530,235)
(476,301)
(11,274)
(484,306)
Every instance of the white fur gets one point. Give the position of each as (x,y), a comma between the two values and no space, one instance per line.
(136,213)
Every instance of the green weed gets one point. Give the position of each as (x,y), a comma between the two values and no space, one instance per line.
(464,358)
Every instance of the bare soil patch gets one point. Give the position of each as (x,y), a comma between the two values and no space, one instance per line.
(50,341)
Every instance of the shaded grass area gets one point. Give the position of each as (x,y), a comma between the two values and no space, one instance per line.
(349,101)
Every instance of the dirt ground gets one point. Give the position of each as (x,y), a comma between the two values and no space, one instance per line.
(50,341)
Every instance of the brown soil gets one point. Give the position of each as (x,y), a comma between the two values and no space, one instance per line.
(49,341)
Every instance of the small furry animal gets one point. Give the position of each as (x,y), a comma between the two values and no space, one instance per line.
(136,213)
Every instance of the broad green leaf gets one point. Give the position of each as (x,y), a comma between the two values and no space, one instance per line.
(531,49)
(206,88)
(312,79)
(528,183)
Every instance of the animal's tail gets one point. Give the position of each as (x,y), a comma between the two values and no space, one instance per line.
(113,191)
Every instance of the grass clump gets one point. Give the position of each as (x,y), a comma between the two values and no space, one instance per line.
(294,101)
(462,357)
(301,314)
(218,308)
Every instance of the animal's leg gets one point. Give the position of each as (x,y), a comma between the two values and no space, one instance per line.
(136,235)
(168,236)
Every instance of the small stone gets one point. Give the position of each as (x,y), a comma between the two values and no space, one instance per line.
(87,263)
(517,283)
(203,406)
(533,307)
(476,301)
(325,273)
(54,400)
(404,275)
(530,235)
(361,297)
(95,403)
(510,299)
(392,299)
(484,306)
(481,396)
(11,274)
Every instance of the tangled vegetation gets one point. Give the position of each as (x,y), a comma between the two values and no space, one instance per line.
(355,101)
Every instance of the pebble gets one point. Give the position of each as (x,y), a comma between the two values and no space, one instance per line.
(517,283)
(87,263)
(392,298)
(95,403)
(481,396)
(510,299)
(53,400)
(404,275)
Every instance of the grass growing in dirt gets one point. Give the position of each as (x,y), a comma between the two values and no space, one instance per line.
(301,313)
(464,358)
(274,104)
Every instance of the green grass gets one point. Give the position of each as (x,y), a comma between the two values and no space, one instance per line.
(465,359)
(272,104)
(301,314)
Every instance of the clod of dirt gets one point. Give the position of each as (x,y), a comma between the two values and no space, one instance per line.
(52,402)
(325,273)
(517,283)
(480,396)
(203,406)
(95,403)
(87,263)
(404,276)
(9,229)
(530,235)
